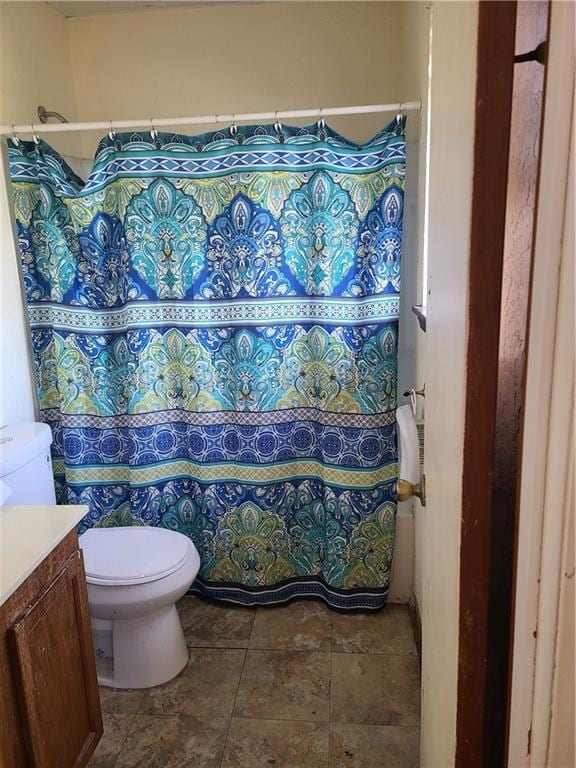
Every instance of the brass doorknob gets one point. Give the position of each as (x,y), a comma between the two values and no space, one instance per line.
(406,490)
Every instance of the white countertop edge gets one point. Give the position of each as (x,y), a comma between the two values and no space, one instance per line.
(77,512)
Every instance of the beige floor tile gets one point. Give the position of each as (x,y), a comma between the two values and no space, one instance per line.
(206,687)
(374,746)
(304,625)
(285,685)
(215,625)
(375,689)
(174,742)
(119,701)
(283,691)
(386,631)
(116,729)
(278,743)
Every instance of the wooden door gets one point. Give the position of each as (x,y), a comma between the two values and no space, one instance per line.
(509,98)
(53,662)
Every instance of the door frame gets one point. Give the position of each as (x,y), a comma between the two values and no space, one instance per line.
(492,440)
(547,466)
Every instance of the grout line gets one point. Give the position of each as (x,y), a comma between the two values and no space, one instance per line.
(288,650)
(318,722)
(302,650)
(124,740)
(377,653)
(376,725)
(265,648)
(330,704)
(282,719)
(165,715)
(252,628)
(142,700)
(217,647)
(332,630)
(234,706)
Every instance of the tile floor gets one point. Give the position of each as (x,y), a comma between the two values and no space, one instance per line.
(297,686)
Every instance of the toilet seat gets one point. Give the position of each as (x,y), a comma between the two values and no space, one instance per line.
(126,556)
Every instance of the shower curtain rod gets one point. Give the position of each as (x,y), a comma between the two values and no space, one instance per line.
(254,117)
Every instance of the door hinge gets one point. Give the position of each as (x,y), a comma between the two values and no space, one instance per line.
(538,54)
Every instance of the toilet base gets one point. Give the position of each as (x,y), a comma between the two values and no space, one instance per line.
(146,651)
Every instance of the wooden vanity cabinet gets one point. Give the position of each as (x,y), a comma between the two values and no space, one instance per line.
(50,713)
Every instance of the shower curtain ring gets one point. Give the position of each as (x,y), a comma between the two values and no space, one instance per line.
(15,139)
(321,121)
(233,127)
(153,132)
(35,136)
(277,123)
(399,115)
(111,132)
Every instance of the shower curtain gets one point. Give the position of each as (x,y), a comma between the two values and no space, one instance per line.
(214,323)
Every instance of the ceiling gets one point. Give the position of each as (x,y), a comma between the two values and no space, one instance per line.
(75,8)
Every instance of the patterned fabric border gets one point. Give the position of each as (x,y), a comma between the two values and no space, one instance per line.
(296,589)
(250,474)
(126,159)
(205,418)
(233,313)
(243,443)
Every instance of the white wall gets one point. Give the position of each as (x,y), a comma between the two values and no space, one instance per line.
(451,115)
(35,68)
(239,58)
(413,38)
(415,47)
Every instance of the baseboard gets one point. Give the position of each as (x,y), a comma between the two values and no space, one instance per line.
(416,622)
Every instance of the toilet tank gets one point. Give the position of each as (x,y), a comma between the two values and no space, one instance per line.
(25,464)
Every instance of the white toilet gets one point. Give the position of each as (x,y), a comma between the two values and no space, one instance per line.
(135,576)
(25,464)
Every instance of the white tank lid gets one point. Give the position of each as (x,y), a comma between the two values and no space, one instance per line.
(127,555)
(22,442)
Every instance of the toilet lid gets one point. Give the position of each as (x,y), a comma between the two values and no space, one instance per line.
(132,555)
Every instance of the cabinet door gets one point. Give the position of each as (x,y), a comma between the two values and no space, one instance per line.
(55,667)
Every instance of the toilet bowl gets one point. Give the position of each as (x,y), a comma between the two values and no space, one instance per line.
(135,576)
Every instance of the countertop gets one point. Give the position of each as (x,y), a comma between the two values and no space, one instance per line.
(27,535)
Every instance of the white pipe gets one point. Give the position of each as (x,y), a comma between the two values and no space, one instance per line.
(253,117)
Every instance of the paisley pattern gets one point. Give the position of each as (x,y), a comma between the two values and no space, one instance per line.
(102,274)
(248,373)
(380,247)
(166,231)
(252,547)
(244,254)
(185,515)
(35,285)
(214,328)
(119,517)
(377,371)
(174,372)
(54,244)
(320,225)
(320,371)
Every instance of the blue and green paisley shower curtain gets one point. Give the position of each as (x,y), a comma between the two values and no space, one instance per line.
(214,321)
